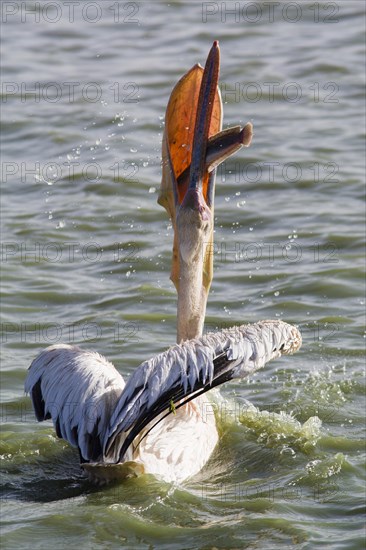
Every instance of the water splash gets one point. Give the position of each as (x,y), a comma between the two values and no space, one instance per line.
(282,429)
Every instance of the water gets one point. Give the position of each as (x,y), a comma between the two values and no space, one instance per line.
(86,256)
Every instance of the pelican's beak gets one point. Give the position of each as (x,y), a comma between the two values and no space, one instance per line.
(193,146)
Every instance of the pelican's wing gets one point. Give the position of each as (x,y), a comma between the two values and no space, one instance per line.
(79,390)
(192,368)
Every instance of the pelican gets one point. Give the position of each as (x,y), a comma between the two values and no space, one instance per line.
(160,421)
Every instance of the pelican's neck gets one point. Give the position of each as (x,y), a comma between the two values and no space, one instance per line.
(194,225)
(192,299)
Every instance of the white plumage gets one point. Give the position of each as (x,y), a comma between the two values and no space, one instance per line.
(109,420)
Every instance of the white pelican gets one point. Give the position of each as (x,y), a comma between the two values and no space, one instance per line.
(159,421)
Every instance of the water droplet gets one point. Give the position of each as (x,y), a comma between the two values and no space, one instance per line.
(276,293)
(128,273)
(152,189)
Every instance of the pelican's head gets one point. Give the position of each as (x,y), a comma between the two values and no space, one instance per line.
(193,146)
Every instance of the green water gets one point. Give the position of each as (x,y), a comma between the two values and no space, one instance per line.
(86,257)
